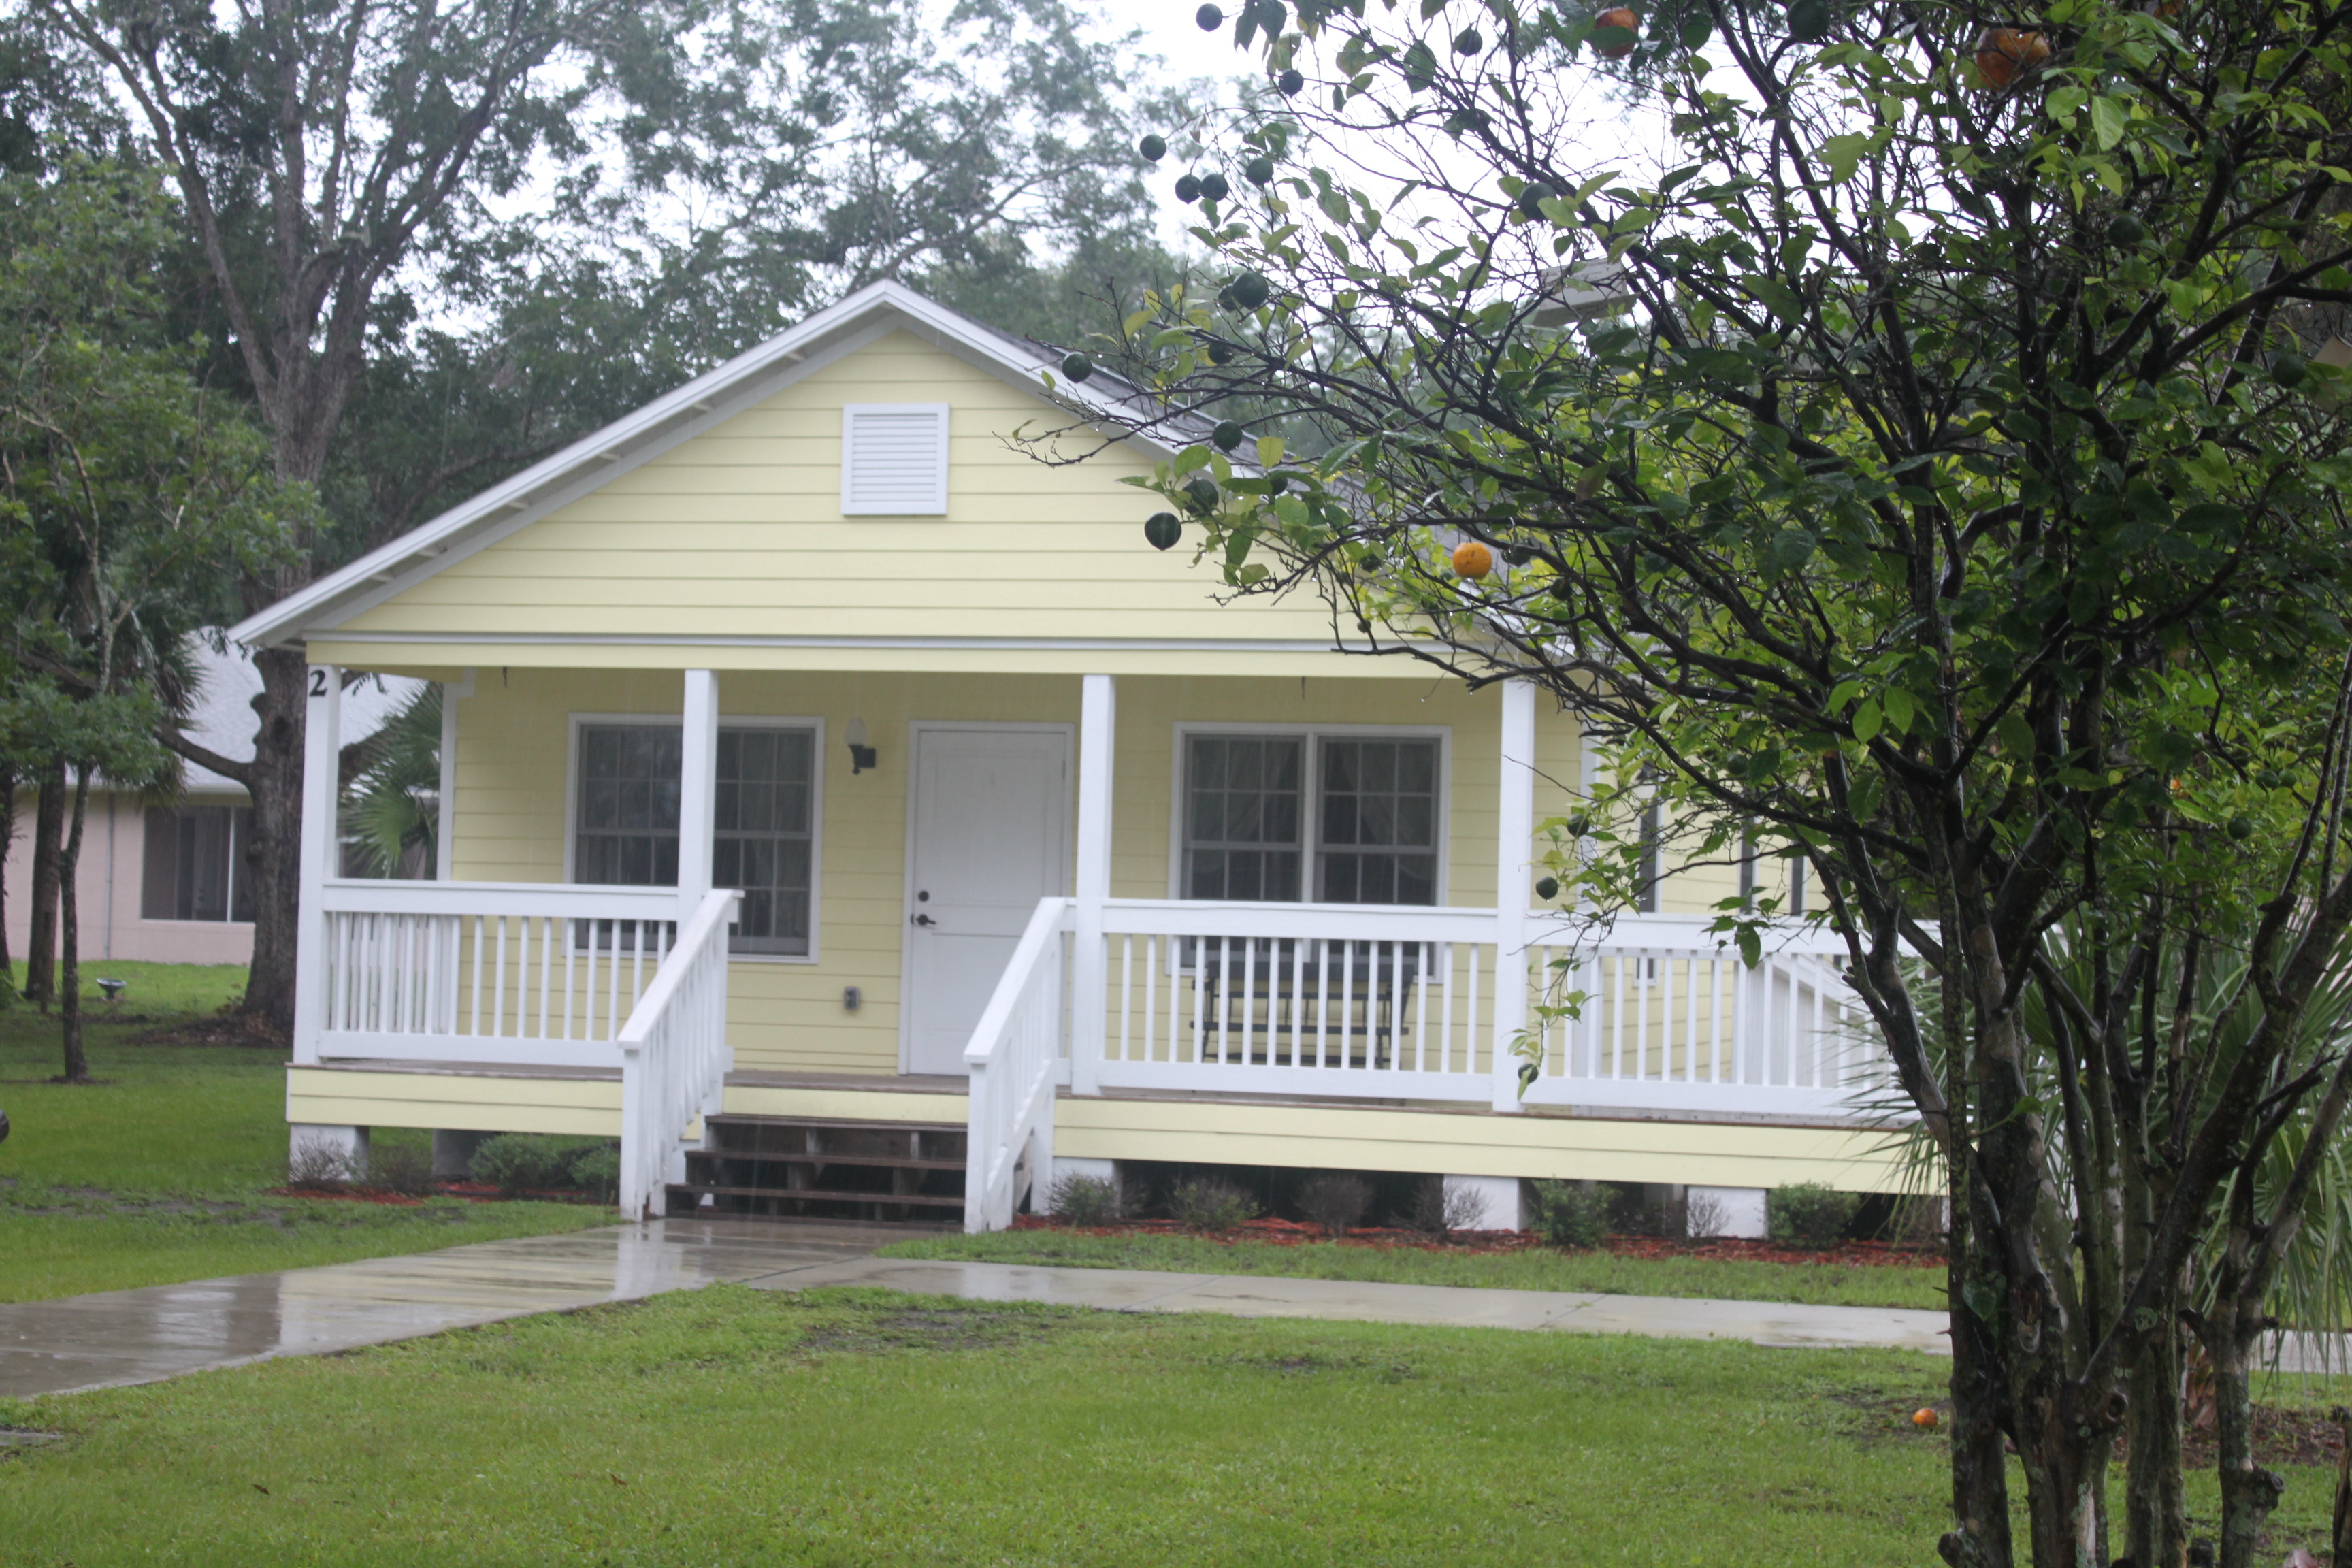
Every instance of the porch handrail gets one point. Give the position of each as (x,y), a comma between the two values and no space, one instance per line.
(521,973)
(1015,1058)
(674,1053)
(527,901)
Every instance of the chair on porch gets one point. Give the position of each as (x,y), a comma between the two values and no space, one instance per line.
(1291,1002)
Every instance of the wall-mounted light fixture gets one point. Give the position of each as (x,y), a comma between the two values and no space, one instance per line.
(861,756)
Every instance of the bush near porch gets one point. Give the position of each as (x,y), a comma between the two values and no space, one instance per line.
(161,1171)
(741,1425)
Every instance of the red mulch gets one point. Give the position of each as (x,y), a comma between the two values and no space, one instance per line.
(1293,1232)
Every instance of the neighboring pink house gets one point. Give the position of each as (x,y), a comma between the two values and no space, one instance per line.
(159,879)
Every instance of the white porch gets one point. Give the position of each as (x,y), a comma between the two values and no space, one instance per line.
(1409,1009)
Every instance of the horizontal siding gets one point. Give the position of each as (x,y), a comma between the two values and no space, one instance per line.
(1467,1145)
(739,533)
(512,779)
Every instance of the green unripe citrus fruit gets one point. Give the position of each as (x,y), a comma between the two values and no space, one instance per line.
(1163,530)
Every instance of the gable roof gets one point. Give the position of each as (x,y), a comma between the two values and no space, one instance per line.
(659,426)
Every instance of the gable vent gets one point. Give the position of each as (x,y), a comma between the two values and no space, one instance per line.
(894,459)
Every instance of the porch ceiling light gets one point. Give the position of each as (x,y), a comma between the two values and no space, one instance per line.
(861,756)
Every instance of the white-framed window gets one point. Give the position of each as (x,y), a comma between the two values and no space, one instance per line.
(1327,813)
(766,831)
(894,459)
(194,863)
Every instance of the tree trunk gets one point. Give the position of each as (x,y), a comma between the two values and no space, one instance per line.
(41,940)
(7,842)
(274,849)
(2155,1506)
(2249,1492)
(69,969)
(1980,1537)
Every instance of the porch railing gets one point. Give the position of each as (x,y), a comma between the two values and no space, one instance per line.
(1399,1002)
(674,1053)
(1015,1058)
(517,973)
(1668,1018)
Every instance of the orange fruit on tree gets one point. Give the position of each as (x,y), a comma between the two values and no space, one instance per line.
(2004,53)
(1472,559)
(1617,17)
(1925,1419)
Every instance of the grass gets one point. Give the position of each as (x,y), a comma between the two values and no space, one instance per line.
(738,1426)
(1740,1280)
(860,1428)
(157,1173)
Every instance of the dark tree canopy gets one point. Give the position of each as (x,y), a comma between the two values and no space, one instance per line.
(1930,467)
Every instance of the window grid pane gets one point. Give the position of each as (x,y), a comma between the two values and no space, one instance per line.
(762,840)
(1378,838)
(1243,821)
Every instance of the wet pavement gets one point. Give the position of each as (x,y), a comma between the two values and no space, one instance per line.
(138,1336)
(1257,1296)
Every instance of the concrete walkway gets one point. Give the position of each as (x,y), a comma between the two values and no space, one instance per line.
(140,1336)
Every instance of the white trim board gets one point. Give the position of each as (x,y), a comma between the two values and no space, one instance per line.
(726,721)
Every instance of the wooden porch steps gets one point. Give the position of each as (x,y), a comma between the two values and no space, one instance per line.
(790,1167)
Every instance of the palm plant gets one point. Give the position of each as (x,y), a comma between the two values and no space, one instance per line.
(392,807)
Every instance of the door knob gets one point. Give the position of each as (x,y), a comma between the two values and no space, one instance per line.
(923,920)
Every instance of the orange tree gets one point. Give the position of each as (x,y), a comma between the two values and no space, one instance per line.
(1928,466)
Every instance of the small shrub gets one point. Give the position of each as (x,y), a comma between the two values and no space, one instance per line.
(1571,1215)
(1439,1210)
(1210,1204)
(1703,1215)
(1334,1202)
(402,1168)
(596,1170)
(315,1162)
(517,1163)
(1809,1213)
(1086,1200)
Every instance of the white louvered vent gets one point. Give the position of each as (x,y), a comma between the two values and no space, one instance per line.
(894,459)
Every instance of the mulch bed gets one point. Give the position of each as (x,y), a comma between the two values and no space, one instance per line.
(1294,1233)
(218,1029)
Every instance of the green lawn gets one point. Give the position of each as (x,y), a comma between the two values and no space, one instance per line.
(156,1172)
(1532,1270)
(858,1427)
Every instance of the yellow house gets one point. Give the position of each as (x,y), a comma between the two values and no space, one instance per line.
(854,815)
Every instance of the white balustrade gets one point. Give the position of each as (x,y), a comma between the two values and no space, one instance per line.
(1658,1014)
(1388,1002)
(1015,1059)
(674,1054)
(520,974)
(1400,1002)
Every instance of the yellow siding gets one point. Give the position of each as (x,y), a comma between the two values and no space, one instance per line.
(471,1102)
(1323,1137)
(513,764)
(739,533)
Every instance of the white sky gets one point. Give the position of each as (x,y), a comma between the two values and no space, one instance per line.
(1619,136)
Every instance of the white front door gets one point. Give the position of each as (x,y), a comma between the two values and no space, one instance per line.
(989,837)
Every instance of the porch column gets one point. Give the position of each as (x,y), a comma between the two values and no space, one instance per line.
(444,807)
(1515,831)
(322,739)
(1097,731)
(697,788)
